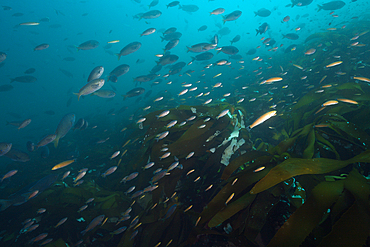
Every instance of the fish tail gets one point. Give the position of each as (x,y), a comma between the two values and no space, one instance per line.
(320,7)
(77,48)
(5,204)
(162,38)
(188,49)
(257,32)
(11,80)
(56,142)
(124,96)
(78,95)
(118,55)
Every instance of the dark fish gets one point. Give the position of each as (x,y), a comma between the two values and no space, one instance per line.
(128,49)
(138,99)
(41,47)
(134,92)
(15,115)
(197,48)
(145,78)
(45,19)
(139,61)
(167,59)
(230,50)
(17,14)
(86,124)
(30,71)
(88,45)
(66,73)
(69,59)
(333,5)
(55,26)
(22,196)
(224,31)
(118,71)
(291,36)
(5,88)
(24,79)
(151,14)
(17,155)
(50,112)
(153,3)
(202,57)
(171,36)
(214,39)
(189,8)
(170,30)
(262,29)
(171,44)
(96,73)
(232,16)
(46,140)
(235,39)
(173,4)
(108,46)
(202,28)
(156,69)
(6,8)
(263,12)
(64,126)
(236,57)
(251,51)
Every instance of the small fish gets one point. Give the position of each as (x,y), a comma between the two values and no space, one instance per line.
(171,124)
(163,114)
(29,24)
(262,119)
(259,169)
(229,199)
(189,155)
(149,165)
(348,101)
(62,164)
(61,222)
(166,155)
(330,102)
(223,113)
(361,78)
(207,102)
(109,171)
(334,64)
(8,175)
(115,154)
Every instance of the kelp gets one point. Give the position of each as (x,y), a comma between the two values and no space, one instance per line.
(351,229)
(296,166)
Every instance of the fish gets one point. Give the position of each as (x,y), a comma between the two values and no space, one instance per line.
(90,87)
(330,102)
(107,94)
(334,64)
(8,175)
(218,11)
(96,73)
(94,223)
(21,196)
(202,28)
(63,164)
(361,79)
(348,101)
(128,49)
(17,155)
(88,45)
(235,39)
(172,4)
(262,12)
(232,16)
(62,221)
(148,32)
(263,28)
(222,114)
(152,14)
(262,119)
(109,171)
(120,70)
(41,47)
(5,148)
(64,126)
(310,51)
(24,79)
(189,8)
(292,36)
(46,140)
(333,5)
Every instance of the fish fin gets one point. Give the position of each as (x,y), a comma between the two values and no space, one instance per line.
(78,95)
(320,7)
(11,80)
(77,48)
(124,96)
(5,204)
(188,48)
(255,13)
(56,141)
(257,32)
(118,56)
(162,38)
